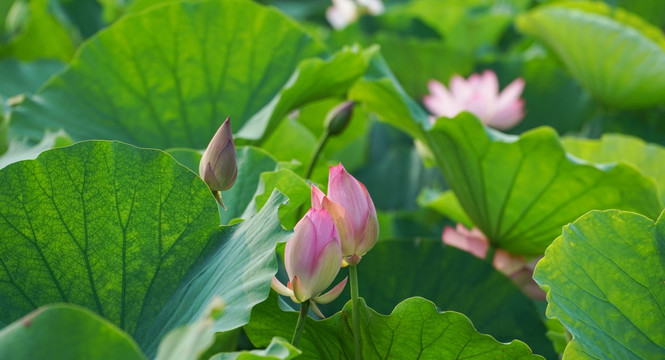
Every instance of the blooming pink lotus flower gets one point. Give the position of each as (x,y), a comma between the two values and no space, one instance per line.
(513,266)
(312,257)
(218,167)
(352,209)
(480,96)
(343,12)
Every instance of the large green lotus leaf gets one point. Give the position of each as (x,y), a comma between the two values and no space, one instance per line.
(446,204)
(520,191)
(614,54)
(251,162)
(380,93)
(646,157)
(314,79)
(604,282)
(452,279)
(66,332)
(73,214)
(20,78)
(169,76)
(130,234)
(415,329)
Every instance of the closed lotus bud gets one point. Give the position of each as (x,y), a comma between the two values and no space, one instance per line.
(339,117)
(312,258)
(353,212)
(218,166)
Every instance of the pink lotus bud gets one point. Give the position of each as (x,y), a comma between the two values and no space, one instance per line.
(513,266)
(218,166)
(352,209)
(312,258)
(480,96)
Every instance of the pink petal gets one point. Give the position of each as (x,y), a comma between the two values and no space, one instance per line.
(460,89)
(328,264)
(345,190)
(333,294)
(280,288)
(317,197)
(299,291)
(341,13)
(466,240)
(508,116)
(511,93)
(508,263)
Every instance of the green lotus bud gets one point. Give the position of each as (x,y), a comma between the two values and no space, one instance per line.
(218,166)
(339,117)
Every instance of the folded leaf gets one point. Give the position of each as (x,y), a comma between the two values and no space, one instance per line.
(604,282)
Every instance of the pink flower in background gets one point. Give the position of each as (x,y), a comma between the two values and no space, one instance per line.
(343,12)
(513,266)
(480,96)
(312,257)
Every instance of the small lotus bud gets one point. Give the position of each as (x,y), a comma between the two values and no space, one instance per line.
(339,117)
(218,166)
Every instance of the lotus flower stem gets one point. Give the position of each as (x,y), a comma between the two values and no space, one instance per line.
(300,325)
(317,152)
(355,316)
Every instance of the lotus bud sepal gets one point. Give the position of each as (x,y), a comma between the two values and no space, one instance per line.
(218,166)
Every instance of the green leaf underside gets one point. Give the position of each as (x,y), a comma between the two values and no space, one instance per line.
(237,268)
(415,329)
(130,234)
(172,87)
(20,150)
(604,277)
(646,157)
(520,191)
(66,332)
(614,54)
(454,280)
(278,349)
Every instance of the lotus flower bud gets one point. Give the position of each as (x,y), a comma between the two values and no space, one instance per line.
(352,209)
(218,166)
(480,96)
(339,117)
(312,258)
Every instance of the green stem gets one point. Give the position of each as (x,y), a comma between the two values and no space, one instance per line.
(355,316)
(317,152)
(304,307)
